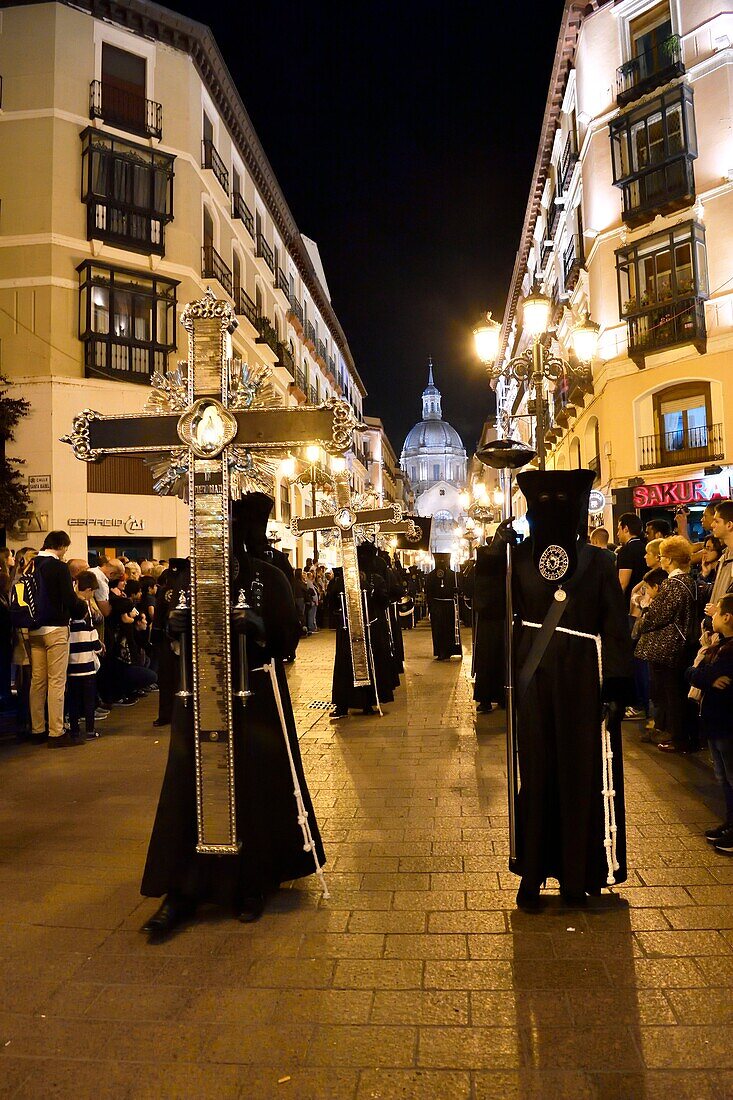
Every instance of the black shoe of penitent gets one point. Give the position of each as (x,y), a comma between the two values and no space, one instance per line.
(171,914)
(528,899)
(251,908)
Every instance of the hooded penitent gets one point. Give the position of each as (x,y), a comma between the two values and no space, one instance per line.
(250,515)
(557,506)
(442,561)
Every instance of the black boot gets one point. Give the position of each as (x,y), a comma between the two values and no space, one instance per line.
(251,908)
(172,913)
(528,898)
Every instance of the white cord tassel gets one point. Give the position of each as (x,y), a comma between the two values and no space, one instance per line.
(309,845)
(609,794)
(368,631)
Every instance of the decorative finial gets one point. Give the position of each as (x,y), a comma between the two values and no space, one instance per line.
(430,371)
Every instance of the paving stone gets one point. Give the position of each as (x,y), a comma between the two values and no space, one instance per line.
(469,1047)
(413,1085)
(419,1007)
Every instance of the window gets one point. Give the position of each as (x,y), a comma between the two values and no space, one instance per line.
(126,321)
(684,431)
(662,284)
(653,148)
(120,96)
(575,459)
(649,30)
(285,514)
(655,54)
(436,472)
(128,190)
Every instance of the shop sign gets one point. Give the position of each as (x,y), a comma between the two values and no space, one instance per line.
(669,494)
(130,526)
(596,501)
(39,483)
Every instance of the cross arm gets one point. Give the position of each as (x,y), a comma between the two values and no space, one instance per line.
(368,516)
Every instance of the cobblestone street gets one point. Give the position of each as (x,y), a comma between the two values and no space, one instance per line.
(418,978)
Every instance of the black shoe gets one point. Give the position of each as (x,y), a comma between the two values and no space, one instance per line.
(65,741)
(573,901)
(251,908)
(368,711)
(172,913)
(725,844)
(128,701)
(483,708)
(528,900)
(34,738)
(716,832)
(161,722)
(339,713)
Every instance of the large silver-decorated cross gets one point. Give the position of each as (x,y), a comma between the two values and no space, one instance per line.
(213,430)
(344,520)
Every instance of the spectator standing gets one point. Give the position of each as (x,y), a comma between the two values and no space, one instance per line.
(600,538)
(311,602)
(657,529)
(722,529)
(6,640)
(299,592)
(108,573)
(630,562)
(84,650)
(641,601)
(713,677)
(667,640)
(49,641)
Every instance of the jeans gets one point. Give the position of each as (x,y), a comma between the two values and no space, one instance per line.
(128,678)
(49,660)
(81,695)
(311,617)
(721,750)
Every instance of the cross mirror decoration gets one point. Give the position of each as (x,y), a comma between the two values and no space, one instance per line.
(219,434)
(344,520)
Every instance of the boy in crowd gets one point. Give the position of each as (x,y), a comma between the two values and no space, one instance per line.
(713,676)
(84,647)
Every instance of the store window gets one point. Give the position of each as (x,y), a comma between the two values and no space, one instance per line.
(126,322)
(128,191)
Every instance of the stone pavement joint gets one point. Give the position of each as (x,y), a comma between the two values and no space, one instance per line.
(418,978)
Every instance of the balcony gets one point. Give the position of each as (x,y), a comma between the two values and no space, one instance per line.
(125,110)
(312,395)
(667,325)
(282,283)
(211,159)
(114,357)
(649,70)
(267,332)
(568,160)
(572,262)
(310,334)
(296,309)
(321,351)
(300,381)
(244,306)
(682,447)
(658,190)
(242,212)
(264,251)
(125,226)
(213,267)
(285,359)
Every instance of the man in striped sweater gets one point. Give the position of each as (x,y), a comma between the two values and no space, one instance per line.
(84,648)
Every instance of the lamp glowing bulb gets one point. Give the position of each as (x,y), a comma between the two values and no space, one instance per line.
(464,498)
(288,467)
(486,339)
(584,339)
(338,464)
(498,497)
(536,313)
(312,453)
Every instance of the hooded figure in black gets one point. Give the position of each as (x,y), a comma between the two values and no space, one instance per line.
(441,592)
(488,602)
(272,840)
(172,581)
(565,816)
(250,516)
(394,591)
(344,695)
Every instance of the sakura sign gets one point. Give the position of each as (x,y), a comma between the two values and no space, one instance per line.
(671,494)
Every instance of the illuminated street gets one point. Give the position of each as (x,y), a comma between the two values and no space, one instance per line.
(418,978)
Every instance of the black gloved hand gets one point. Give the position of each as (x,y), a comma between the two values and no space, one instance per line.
(179,621)
(505,533)
(248,622)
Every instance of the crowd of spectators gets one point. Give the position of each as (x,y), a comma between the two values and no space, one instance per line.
(680,600)
(90,648)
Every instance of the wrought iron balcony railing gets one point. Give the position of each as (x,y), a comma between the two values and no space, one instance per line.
(568,160)
(267,332)
(680,448)
(296,308)
(244,306)
(649,70)
(667,325)
(312,395)
(300,381)
(659,189)
(213,267)
(241,211)
(572,262)
(321,350)
(282,282)
(310,332)
(128,226)
(211,159)
(285,359)
(264,250)
(125,110)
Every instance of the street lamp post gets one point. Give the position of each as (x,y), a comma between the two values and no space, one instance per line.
(536,366)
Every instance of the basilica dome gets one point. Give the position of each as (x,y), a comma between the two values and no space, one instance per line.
(433,451)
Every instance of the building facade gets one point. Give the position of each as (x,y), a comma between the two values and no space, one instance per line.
(630,219)
(141,183)
(435,461)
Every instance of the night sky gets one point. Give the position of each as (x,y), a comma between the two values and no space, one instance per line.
(403,136)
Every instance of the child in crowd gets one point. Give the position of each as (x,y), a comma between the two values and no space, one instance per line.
(641,600)
(84,647)
(712,675)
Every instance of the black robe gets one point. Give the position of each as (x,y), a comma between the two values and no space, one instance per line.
(344,695)
(166,599)
(267,815)
(560,807)
(395,590)
(440,589)
(489,601)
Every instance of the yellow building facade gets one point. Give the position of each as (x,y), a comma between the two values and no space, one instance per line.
(131,180)
(630,219)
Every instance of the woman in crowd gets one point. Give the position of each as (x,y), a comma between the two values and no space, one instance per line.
(299,592)
(641,601)
(667,639)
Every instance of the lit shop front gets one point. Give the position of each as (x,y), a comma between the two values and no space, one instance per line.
(666,499)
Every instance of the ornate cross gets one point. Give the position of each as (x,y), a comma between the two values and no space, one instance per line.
(209,425)
(345,520)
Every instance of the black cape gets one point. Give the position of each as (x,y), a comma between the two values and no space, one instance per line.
(344,695)
(560,807)
(440,589)
(489,602)
(272,840)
